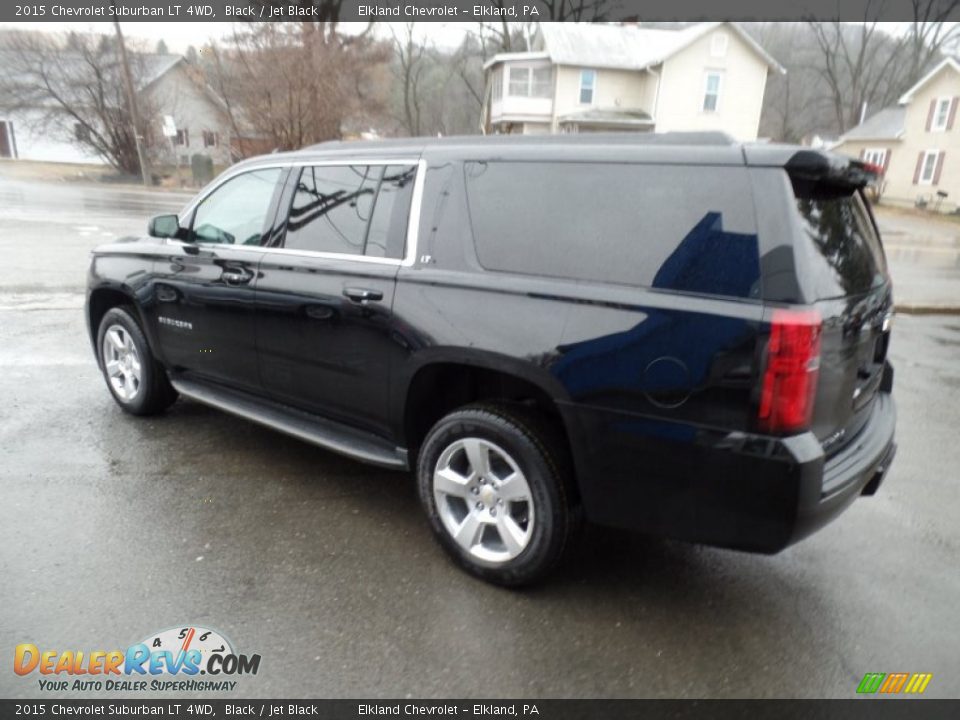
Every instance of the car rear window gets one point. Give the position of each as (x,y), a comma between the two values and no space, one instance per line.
(681,228)
(847,255)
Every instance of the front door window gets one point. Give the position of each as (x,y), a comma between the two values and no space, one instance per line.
(236,212)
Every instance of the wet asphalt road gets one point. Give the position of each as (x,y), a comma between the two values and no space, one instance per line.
(113,527)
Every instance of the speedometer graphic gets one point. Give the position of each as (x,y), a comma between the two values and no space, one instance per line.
(181,640)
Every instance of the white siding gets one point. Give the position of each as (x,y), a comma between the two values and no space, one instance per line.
(536,128)
(615,90)
(917,139)
(192,108)
(744,73)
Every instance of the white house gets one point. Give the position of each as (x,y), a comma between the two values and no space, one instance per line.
(166,88)
(917,143)
(593,77)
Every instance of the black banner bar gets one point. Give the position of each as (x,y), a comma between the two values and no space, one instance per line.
(451,10)
(864,708)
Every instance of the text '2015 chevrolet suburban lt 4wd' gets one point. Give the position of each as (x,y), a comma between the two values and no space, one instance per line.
(672,333)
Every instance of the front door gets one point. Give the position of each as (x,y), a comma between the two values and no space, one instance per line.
(325,299)
(204,290)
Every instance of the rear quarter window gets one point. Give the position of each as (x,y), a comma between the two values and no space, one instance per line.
(838,234)
(680,228)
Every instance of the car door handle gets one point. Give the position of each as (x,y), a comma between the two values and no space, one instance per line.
(236,276)
(362,295)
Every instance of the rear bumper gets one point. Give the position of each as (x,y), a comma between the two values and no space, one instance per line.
(858,469)
(734,490)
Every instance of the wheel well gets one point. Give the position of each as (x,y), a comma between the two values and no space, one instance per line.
(439,389)
(101,300)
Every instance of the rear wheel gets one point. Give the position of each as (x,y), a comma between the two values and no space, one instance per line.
(136,380)
(495,483)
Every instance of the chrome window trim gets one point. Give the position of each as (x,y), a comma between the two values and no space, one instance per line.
(413,225)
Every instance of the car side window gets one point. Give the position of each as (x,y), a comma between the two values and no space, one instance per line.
(331,208)
(351,210)
(236,212)
(669,227)
(388,226)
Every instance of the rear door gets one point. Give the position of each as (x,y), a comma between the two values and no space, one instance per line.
(845,275)
(325,299)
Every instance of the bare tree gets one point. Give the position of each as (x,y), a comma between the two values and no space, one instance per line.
(294,84)
(410,66)
(467,62)
(579,10)
(794,103)
(860,64)
(929,33)
(74,88)
(436,91)
(863,66)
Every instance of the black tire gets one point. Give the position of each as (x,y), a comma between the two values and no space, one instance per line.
(540,452)
(154,393)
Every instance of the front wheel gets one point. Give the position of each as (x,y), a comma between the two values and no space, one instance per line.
(494,481)
(136,380)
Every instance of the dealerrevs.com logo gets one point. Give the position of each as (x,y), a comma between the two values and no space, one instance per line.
(173,660)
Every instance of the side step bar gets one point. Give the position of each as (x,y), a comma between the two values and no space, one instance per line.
(319,431)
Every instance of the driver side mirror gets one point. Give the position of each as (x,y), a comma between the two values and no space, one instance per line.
(163,226)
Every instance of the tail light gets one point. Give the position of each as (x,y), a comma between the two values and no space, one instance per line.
(790,378)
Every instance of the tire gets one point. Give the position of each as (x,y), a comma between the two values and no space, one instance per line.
(510,534)
(121,350)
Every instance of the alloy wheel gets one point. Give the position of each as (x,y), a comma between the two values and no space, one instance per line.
(122,362)
(483,500)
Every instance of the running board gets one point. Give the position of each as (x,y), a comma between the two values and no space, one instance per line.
(319,431)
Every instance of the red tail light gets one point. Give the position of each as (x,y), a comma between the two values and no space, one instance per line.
(790,378)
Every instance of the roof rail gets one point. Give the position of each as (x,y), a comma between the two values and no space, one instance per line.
(709,138)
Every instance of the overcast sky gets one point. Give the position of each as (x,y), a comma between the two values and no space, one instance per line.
(180,35)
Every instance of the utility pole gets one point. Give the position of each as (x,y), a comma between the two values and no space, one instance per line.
(132,102)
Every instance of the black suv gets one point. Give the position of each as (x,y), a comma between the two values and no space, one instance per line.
(673,333)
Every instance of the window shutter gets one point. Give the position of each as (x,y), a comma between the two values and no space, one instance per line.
(933,106)
(936,173)
(916,173)
(886,160)
(953,114)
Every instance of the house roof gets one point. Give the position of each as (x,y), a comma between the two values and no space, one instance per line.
(23,88)
(156,66)
(150,67)
(885,125)
(627,47)
(908,95)
(504,57)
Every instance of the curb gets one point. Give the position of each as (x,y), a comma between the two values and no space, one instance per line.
(927,309)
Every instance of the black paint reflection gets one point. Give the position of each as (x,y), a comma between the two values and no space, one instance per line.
(641,368)
(713,261)
(842,235)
